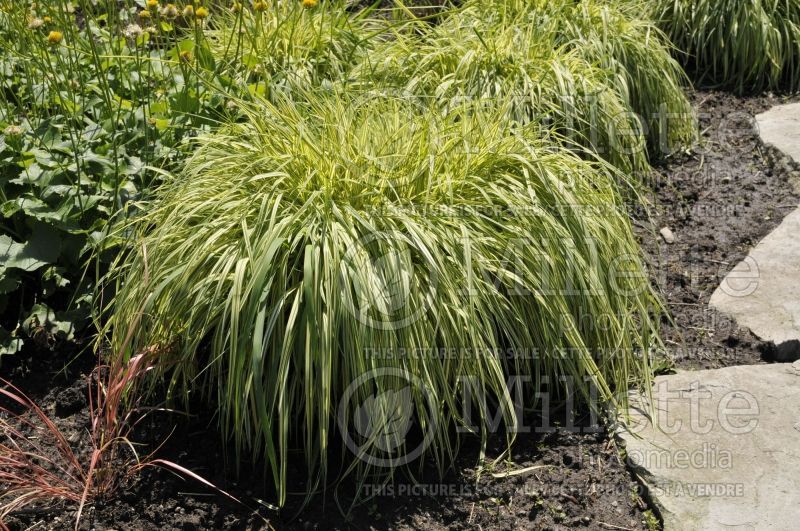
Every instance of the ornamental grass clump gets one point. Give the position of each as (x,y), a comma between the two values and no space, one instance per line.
(748,46)
(326,267)
(492,60)
(624,42)
(601,74)
(620,38)
(290,44)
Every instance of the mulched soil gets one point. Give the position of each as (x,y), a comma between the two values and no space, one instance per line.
(718,204)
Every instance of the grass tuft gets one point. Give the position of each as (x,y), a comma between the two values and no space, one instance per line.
(313,245)
(747,46)
(602,75)
(288,46)
(620,38)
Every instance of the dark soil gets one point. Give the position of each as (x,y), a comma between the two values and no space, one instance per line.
(578,479)
(718,203)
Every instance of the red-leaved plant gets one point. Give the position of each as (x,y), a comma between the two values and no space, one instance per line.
(38,463)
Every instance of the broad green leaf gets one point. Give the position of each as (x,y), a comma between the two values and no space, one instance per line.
(41,249)
(42,317)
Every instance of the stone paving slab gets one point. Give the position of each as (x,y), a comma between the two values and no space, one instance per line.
(762,292)
(780,128)
(726,454)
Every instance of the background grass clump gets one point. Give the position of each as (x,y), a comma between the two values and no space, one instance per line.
(601,74)
(298,243)
(285,46)
(622,40)
(467,58)
(747,46)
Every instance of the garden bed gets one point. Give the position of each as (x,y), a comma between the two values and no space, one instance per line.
(718,205)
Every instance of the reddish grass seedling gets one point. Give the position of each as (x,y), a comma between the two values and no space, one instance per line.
(29,473)
(39,465)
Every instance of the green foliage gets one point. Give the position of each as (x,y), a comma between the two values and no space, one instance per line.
(375,188)
(748,46)
(89,122)
(467,59)
(315,242)
(651,521)
(603,76)
(286,46)
(620,38)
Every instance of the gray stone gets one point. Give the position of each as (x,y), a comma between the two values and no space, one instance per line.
(667,234)
(780,127)
(724,454)
(762,292)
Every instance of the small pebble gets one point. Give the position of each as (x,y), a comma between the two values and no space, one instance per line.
(667,234)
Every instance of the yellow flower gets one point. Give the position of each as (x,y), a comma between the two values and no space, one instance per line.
(260,6)
(186,56)
(145,14)
(169,11)
(201,13)
(188,11)
(55,37)
(152,3)
(310,3)
(47,20)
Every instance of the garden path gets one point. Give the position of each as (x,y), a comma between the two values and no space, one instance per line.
(762,292)
(720,449)
(725,452)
